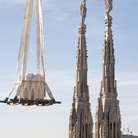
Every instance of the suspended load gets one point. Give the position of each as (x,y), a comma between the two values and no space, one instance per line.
(31,88)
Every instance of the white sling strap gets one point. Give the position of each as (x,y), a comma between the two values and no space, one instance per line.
(27,38)
(23,36)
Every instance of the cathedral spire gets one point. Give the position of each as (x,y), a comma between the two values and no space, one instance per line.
(80,122)
(108,119)
(108,83)
(81,65)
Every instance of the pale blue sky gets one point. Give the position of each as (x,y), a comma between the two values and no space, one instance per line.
(61,19)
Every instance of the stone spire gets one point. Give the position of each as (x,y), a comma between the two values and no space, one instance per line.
(80,121)
(108,119)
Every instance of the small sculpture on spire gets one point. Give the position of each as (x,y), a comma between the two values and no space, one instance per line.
(83,11)
(108,6)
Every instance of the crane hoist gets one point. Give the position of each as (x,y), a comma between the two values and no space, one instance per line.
(31,89)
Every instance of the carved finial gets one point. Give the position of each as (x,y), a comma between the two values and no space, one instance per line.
(108,6)
(83,11)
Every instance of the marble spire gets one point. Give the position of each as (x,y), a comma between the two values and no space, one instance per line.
(80,121)
(108,118)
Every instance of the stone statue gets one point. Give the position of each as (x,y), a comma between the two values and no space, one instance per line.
(83,11)
(108,6)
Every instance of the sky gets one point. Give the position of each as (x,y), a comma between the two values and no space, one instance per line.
(61,19)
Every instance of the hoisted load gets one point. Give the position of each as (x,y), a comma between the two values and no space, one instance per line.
(31,88)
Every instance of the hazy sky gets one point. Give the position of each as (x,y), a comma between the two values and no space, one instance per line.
(61,19)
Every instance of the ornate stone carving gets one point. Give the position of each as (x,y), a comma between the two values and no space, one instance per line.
(83,11)
(81,123)
(108,112)
(108,6)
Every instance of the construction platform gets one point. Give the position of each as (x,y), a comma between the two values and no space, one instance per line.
(27,102)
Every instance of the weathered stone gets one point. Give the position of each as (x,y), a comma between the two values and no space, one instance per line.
(129,136)
(80,121)
(108,119)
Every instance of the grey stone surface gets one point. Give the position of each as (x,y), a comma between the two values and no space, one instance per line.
(108,119)
(80,121)
(129,136)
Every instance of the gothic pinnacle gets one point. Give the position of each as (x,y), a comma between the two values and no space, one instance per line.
(108,118)
(80,121)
